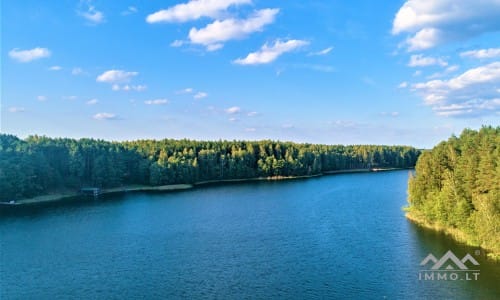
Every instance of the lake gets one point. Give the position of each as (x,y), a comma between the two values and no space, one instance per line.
(340,236)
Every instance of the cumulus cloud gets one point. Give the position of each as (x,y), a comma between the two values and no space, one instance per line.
(403,85)
(482,53)
(55,68)
(41,98)
(269,53)
(322,52)
(185,91)
(315,67)
(71,98)
(447,71)
(25,56)
(116,76)
(472,93)
(215,34)
(16,109)
(193,10)
(200,95)
(104,116)
(92,101)
(390,114)
(156,102)
(419,60)
(252,114)
(129,11)
(430,23)
(76,71)
(233,110)
(90,13)
(177,43)
(127,88)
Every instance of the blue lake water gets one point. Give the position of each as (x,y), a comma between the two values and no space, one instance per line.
(341,237)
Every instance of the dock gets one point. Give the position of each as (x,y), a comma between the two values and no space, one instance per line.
(90,191)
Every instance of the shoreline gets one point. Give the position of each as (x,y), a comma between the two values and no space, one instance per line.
(454,233)
(57,197)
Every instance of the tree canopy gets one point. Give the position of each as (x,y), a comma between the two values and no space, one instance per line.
(39,165)
(457,185)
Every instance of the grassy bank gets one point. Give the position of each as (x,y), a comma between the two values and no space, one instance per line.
(455,233)
(131,188)
(176,187)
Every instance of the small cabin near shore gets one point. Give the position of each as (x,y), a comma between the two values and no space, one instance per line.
(90,191)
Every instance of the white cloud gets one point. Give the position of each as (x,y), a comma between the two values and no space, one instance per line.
(315,67)
(177,43)
(55,68)
(200,95)
(185,91)
(430,23)
(233,110)
(482,53)
(269,53)
(250,129)
(127,88)
(25,56)
(71,98)
(448,70)
(322,52)
(452,68)
(390,114)
(76,71)
(92,101)
(193,10)
(130,10)
(90,13)
(252,114)
(105,116)
(214,34)
(41,98)
(419,60)
(156,102)
(214,47)
(424,39)
(14,109)
(403,85)
(471,93)
(116,76)
(233,119)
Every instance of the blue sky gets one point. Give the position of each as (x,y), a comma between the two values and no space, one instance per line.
(333,72)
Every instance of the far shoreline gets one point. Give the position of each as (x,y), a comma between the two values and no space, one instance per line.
(50,198)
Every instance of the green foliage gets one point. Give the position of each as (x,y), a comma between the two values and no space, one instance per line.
(40,165)
(457,185)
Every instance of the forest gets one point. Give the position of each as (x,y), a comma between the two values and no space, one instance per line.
(39,165)
(457,187)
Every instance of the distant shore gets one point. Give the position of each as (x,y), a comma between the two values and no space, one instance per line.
(178,187)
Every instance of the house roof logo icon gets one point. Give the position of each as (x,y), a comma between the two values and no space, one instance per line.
(449,261)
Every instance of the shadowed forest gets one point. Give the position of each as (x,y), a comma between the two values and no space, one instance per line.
(39,165)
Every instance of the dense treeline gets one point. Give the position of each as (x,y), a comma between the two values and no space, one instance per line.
(457,186)
(40,165)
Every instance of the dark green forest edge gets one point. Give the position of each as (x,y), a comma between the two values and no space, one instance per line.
(456,189)
(40,166)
